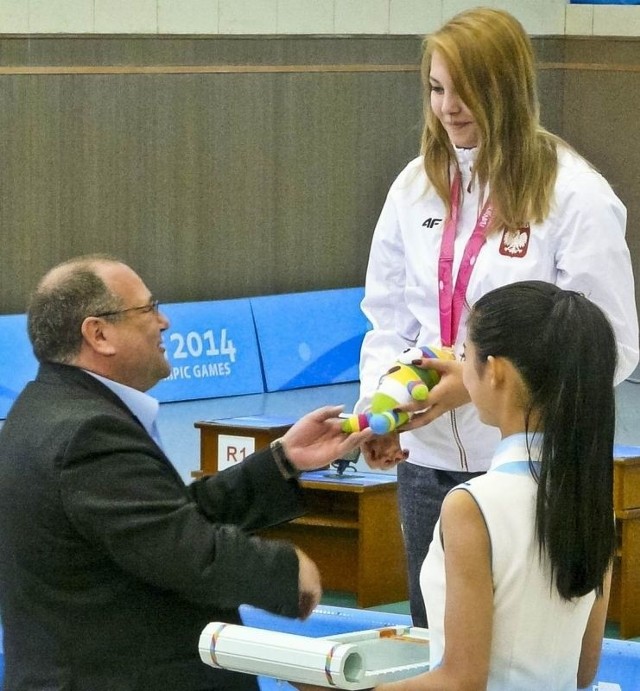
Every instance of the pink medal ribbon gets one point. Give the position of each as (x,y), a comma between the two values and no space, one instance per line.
(451,299)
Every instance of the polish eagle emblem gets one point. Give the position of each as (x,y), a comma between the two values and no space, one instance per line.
(515,242)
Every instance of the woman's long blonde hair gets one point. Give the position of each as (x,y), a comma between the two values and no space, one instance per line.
(490,59)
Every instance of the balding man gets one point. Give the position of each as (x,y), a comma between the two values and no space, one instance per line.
(110,566)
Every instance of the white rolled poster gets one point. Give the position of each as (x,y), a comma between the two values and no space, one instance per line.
(357,660)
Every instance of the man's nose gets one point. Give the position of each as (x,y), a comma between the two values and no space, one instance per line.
(164,321)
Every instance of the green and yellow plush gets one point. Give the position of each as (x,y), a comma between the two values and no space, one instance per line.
(401,384)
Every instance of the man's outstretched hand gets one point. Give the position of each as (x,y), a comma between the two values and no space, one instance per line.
(317,439)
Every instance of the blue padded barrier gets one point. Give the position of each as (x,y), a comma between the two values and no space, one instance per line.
(310,339)
(625,451)
(18,364)
(619,668)
(212,349)
(215,348)
(325,621)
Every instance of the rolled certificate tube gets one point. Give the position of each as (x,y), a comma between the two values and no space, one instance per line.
(287,656)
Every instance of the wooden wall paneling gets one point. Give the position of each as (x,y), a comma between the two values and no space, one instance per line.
(211,185)
(183,160)
(218,185)
(16,257)
(342,140)
(600,113)
(29,206)
(207,50)
(551,86)
(591,51)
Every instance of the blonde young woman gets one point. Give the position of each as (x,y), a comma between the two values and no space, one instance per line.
(494,198)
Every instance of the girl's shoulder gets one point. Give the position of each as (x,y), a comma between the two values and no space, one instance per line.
(413,170)
(571,162)
(411,183)
(577,177)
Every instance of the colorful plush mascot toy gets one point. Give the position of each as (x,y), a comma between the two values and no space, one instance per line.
(402,383)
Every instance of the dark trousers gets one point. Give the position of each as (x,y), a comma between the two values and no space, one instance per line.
(421,492)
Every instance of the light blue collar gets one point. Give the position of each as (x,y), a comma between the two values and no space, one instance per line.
(143,406)
(513,453)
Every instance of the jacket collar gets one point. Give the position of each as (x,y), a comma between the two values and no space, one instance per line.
(57,373)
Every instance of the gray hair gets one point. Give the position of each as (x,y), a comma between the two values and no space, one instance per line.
(64,298)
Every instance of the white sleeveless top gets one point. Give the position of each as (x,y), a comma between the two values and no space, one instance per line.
(537,636)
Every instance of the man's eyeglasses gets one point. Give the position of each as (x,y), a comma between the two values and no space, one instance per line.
(152,306)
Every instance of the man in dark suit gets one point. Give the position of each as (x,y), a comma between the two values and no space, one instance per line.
(110,566)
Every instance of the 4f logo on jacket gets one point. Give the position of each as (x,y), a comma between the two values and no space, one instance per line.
(432,222)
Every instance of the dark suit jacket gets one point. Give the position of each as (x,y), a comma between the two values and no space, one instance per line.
(110,566)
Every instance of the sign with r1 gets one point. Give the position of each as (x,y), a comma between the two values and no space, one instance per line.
(233,449)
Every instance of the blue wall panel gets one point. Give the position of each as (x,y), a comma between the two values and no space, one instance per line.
(310,339)
(212,349)
(18,365)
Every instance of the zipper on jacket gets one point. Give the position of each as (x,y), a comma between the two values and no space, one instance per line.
(464,464)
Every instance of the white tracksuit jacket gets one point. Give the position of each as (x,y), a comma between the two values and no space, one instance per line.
(580,246)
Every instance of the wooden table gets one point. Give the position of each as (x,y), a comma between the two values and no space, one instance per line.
(227,441)
(351,530)
(624,605)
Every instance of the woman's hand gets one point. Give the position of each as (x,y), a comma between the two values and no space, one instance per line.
(447,394)
(383,452)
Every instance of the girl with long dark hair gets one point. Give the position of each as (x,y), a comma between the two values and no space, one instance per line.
(516,581)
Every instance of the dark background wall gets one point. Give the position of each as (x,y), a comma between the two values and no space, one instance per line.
(229,167)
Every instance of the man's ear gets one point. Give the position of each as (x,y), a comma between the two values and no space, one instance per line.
(96,335)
